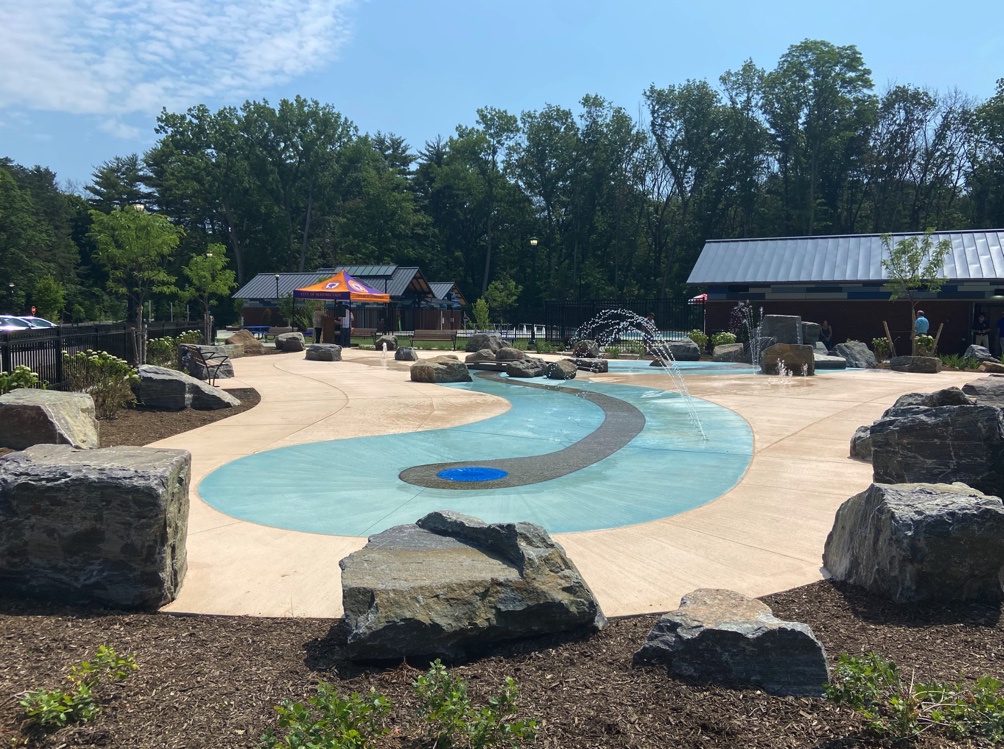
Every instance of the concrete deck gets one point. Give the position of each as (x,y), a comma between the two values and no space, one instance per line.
(764,536)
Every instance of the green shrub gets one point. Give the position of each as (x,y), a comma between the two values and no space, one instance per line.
(881,347)
(545,347)
(613,352)
(329,721)
(700,339)
(480,312)
(722,339)
(55,708)
(106,378)
(924,345)
(633,347)
(164,352)
(957,361)
(21,377)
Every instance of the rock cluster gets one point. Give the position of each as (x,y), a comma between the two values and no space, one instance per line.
(171,390)
(29,416)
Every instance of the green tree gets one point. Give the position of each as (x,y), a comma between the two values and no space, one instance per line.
(118,183)
(49,298)
(208,278)
(502,293)
(135,247)
(914,264)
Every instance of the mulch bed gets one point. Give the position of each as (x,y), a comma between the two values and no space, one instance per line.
(208,681)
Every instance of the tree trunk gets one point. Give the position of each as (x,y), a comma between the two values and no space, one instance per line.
(234,241)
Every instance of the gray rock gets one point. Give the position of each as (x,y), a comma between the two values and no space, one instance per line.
(723,637)
(861,444)
(760,344)
(729,352)
(451,584)
(390,340)
(988,391)
(29,416)
(857,354)
(105,526)
(485,354)
(406,353)
(798,360)
(782,328)
(528,367)
(952,396)
(586,349)
(991,367)
(198,371)
(509,354)
(829,362)
(941,445)
(820,348)
(980,353)
(171,390)
(489,341)
(323,352)
(444,368)
(919,542)
(290,342)
(915,364)
(597,366)
(561,370)
(810,333)
(681,350)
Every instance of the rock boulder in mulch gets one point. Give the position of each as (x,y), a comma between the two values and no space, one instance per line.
(490,341)
(531,366)
(29,416)
(991,367)
(290,342)
(171,390)
(919,542)
(444,368)
(561,370)
(324,352)
(509,354)
(389,340)
(782,328)
(798,360)
(723,637)
(729,352)
(105,526)
(452,583)
(915,364)
(200,371)
(980,353)
(406,353)
(857,354)
(987,391)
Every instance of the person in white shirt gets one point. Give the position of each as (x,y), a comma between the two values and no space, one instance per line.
(347,319)
(318,322)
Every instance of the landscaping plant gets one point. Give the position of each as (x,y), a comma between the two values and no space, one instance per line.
(881,348)
(924,345)
(77,704)
(329,721)
(722,339)
(165,352)
(701,339)
(106,378)
(21,377)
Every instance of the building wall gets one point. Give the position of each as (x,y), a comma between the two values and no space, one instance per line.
(862,320)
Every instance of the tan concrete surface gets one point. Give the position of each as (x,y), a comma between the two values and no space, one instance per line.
(765,535)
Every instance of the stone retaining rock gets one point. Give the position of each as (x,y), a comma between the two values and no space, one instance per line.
(485,354)
(782,328)
(729,352)
(987,391)
(991,367)
(531,366)
(861,444)
(561,370)
(490,341)
(820,348)
(919,542)
(451,584)
(723,637)
(980,353)
(251,346)
(390,340)
(597,366)
(829,362)
(190,366)
(857,354)
(171,390)
(406,353)
(810,333)
(941,445)
(586,349)
(915,364)
(29,416)
(798,360)
(105,526)
(681,350)
(509,354)
(290,342)
(323,352)
(444,368)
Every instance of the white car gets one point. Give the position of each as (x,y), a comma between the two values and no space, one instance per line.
(38,322)
(9,323)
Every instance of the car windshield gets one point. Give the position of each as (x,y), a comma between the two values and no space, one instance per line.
(38,322)
(13,322)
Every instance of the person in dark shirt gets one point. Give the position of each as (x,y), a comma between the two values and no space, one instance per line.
(981,331)
(826,334)
(1000,335)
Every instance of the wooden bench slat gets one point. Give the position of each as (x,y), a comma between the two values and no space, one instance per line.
(436,335)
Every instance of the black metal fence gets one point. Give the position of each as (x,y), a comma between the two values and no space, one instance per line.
(42,349)
(673,317)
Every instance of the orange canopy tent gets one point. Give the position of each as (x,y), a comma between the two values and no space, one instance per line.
(342,287)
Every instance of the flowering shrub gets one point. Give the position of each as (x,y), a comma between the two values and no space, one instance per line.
(106,378)
(21,377)
(165,352)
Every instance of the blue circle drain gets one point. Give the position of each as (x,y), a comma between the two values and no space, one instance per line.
(472,473)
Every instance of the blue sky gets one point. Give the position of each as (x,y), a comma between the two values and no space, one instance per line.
(81,81)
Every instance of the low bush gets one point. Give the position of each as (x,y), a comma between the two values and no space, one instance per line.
(164,352)
(21,377)
(924,345)
(881,347)
(701,339)
(613,352)
(957,361)
(722,339)
(327,720)
(106,378)
(545,347)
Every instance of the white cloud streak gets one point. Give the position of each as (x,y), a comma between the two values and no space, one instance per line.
(112,58)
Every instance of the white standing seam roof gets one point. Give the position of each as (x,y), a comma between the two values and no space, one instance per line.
(975,256)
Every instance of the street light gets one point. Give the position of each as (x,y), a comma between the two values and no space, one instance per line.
(533,241)
(11,287)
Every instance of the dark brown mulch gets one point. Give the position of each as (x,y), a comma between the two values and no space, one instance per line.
(210,681)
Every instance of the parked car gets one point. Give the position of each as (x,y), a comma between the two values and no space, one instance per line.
(9,323)
(38,322)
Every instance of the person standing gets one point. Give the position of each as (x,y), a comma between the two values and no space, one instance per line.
(318,323)
(981,331)
(1000,335)
(826,334)
(921,325)
(347,320)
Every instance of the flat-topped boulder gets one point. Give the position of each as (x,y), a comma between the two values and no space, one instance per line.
(979,353)
(729,352)
(531,366)
(810,333)
(324,352)
(564,369)
(919,542)
(915,364)
(668,351)
(484,355)
(105,526)
(724,637)
(857,354)
(991,367)
(509,354)
(31,416)
(250,346)
(597,366)
(586,349)
(822,361)
(987,391)
(479,341)
(444,368)
(406,353)
(451,584)
(171,390)
(798,360)
(292,341)
(386,340)
(782,328)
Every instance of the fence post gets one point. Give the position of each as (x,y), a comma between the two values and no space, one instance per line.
(59,356)
(5,352)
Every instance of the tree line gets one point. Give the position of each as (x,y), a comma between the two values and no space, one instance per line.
(550,204)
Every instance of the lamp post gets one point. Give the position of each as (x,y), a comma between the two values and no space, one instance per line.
(277,298)
(10,286)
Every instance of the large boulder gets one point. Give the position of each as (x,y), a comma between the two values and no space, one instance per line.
(979,353)
(820,348)
(290,342)
(940,445)
(857,354)
(729,352)
(951,396)
(444,368)
(991,367)
(828,362)
(915,364)
(105,526)
(987,391)
(386,339)
(406,353)
(323,352)
(491,341)
(798,360)
(861,444)
(723,637)
(919,542)
(250,346)
(810,333)
(531,366)
(561,370)
(196,369)
(509,354)
(597,366)
(171,390)
(782,328)
(485,354)
(665,352)
(29,416)
(586,349)
(451,583)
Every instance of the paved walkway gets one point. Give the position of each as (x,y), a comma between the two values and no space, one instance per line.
(765,535)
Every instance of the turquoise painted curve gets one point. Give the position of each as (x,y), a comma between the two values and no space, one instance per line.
(351,487)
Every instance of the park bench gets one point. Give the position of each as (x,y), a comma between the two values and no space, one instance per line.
(436,335)
(210,362)
(277,331)
(365,333)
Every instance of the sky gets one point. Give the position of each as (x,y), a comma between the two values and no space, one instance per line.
(82,81)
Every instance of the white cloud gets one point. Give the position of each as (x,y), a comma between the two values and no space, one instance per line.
(111,58)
